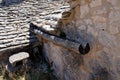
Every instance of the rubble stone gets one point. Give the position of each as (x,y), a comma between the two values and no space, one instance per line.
(95,3)
(84,11)
(107,39)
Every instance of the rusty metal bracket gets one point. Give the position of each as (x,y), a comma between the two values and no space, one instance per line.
(63,42)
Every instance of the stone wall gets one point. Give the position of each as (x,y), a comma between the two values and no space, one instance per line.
(98,23)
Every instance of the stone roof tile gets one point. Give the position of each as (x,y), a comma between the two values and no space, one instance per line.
(15,19)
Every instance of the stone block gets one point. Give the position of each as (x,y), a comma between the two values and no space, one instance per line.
(88,21)
(107,39)
(114,22)
(106,59)
(114,16)
(99,19)
(18,57)
(118,65)
(113,29)
(115,3)
(95,3)
(92,31)
(84,10)
(100,26)
(99,11)
(82,27)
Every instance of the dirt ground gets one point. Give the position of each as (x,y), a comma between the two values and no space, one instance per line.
(39,71)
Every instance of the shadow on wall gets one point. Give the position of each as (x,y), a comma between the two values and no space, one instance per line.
(10,2)
(35,46)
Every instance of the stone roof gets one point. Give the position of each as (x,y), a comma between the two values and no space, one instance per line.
(15,20)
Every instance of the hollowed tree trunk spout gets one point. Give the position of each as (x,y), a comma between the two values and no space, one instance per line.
(63,42)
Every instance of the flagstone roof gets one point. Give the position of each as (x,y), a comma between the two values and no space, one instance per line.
(15,20)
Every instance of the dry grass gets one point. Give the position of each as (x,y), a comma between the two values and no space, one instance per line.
(30,76)
(35,73)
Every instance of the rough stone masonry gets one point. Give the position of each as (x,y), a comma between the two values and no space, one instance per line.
(98,23)
(93,21)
